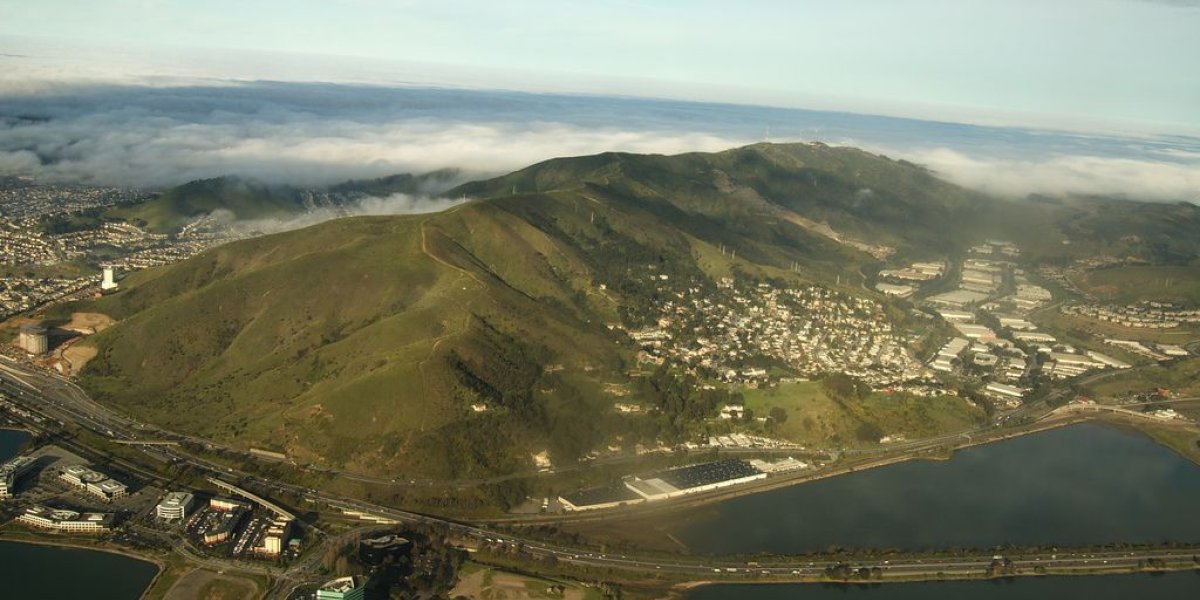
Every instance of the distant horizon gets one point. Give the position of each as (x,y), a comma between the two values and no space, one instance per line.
(56,65)
(1095,64)
(154,132)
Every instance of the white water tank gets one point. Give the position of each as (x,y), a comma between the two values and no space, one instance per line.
(109,282)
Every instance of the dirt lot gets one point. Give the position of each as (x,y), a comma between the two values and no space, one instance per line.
(88,323)
(77,355)
(481,583)
(200,584)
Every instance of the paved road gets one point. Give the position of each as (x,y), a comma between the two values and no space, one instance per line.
(63,401)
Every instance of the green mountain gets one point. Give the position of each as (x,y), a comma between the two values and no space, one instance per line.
(368,342)
(245,198)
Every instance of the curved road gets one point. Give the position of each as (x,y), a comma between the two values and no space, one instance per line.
(63,401)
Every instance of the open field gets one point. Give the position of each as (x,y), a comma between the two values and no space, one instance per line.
(1127,284)
(814,418)
(1185,441)
(1083,328)
(479,582)
(1182,378)
(201,584)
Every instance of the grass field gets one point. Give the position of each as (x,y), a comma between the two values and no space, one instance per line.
(1183,441)
(1127,284)
(1090,333)
(1182,378)
(816,419)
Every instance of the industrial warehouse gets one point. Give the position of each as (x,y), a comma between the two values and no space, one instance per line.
(694,479)
(662,485)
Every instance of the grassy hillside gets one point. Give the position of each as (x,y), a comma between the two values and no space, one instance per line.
(366,342)
(1178,284)
(360,342)
(243,198)
(859,194)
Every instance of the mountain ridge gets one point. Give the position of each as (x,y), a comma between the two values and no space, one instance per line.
(372,342)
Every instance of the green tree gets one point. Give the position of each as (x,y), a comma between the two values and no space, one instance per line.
(778,415)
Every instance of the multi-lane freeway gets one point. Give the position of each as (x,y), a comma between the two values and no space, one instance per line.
(58,399)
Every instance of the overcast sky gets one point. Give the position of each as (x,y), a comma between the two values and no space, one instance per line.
(1079,64)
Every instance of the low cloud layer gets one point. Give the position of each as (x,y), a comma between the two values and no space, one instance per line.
(1070,174)
(395,204)
(143,136)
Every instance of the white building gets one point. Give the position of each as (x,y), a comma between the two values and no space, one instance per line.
(174,506)
(276,538)
(1107,360)
(94,482)
(1034,337)
(975,331)
(65,520)
(109,282)
(896,291)
(1002,389)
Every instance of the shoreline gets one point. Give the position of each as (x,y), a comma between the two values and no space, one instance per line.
(933,453)
(784,481)
(681,590)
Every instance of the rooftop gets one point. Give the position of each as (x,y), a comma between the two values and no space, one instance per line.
(175,499)
(601,495)
(341,584)
(706,473)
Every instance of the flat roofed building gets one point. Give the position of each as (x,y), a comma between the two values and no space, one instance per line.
(1034,336)
(957,298)
(342,588)
(65,520)
(12,471)
(597,498)
(225,528)
(1005,390)
(174,506)
(898,291)
(227,504)
(33,339)
(1107,360)
(73,474)
(93,482)
(974,331)
(1017,324)
(955,346)
(694,479)
(1073,359)
(957,316)
(275,539)
(109,489)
